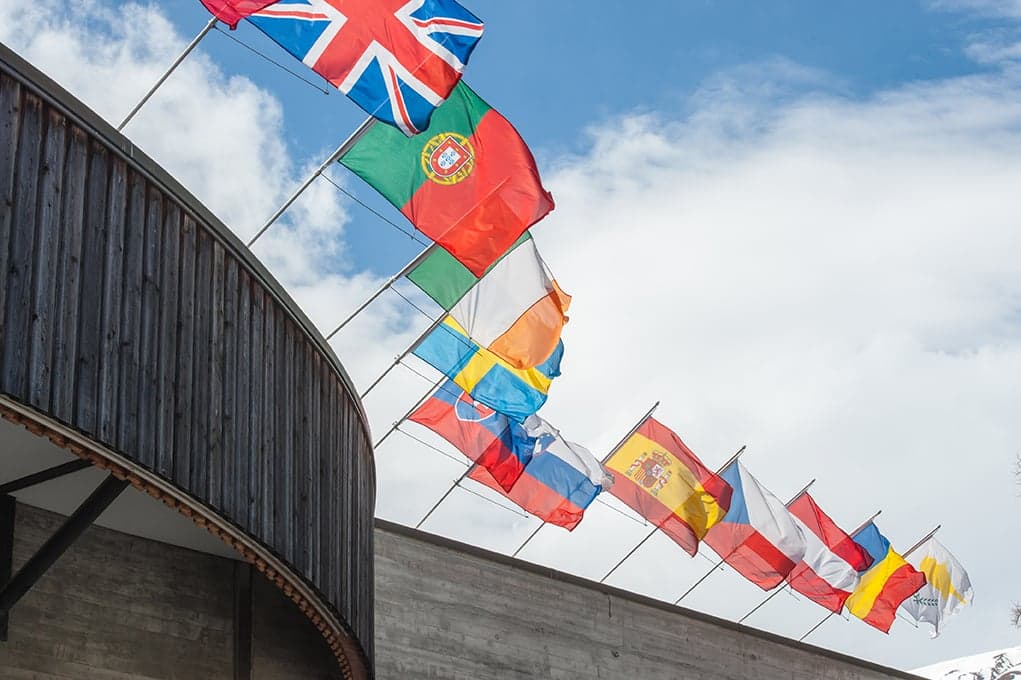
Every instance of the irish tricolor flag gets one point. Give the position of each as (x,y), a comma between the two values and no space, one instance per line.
(468,182)
(516,310)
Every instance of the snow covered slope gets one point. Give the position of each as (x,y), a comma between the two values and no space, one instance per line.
(1002,665)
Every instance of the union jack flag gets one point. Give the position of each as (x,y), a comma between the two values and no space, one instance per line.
(397,59)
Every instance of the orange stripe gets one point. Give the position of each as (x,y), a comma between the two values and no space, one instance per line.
(533,337)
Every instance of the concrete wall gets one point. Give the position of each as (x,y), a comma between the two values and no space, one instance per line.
(117,607)
(445,610)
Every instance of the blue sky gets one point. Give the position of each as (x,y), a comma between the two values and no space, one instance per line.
(795,224)
(556,68)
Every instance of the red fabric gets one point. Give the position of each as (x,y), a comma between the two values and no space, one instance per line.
(535,498)
(806,582)
(836,539)
(901,585)
(646,505)
(231,12)
(749,553)
(504,188)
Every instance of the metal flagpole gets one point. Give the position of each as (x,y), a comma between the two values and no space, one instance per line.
(456,484)
(724,559)
(651,533)
(905,554)
(421,401)
(787,584)
(344,147)
(433,326)
(389,282)
(177,62)
(603,461)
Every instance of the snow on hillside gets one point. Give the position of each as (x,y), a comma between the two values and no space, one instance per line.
(1002,665)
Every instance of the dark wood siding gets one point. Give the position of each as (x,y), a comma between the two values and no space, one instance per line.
(132,316)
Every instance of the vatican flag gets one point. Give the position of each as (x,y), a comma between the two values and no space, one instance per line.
(946,591)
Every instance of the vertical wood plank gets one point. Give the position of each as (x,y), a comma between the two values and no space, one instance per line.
(149,395)
(169,341)
(110,318)
(232,334)
(10,124)
(132,284)
(243,396)
(183,394)
(44,283)
(216,378)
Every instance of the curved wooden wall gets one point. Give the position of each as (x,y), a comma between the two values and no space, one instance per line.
(137,326)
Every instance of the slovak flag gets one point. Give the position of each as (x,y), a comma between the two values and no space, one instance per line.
(758,536)
(397,59)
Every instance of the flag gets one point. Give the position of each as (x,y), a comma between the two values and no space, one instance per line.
(758,537)
(486,437)
(828,573)
(397,59)
(658,476)
(516,310)
(559,482)
(888,582)
(469,183)
(231,12)
(516,393)
(947,587)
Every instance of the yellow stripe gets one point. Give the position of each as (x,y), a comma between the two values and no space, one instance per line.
(483,361)
(682,493)
(872,583)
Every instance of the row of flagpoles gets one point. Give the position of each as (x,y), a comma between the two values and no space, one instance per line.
(465,179)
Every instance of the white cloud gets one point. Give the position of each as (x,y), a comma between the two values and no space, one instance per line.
(833,282)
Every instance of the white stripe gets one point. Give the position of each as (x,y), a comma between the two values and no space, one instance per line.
(827,565)
(516,283)
(575,455)
(771,518)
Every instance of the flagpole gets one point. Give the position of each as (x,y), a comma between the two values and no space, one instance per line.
(344,147)
(177,62)
(421,401)
(456,484)
(433,326)
(418,259)
(654,528)
(905,554)
(602,462)
(724,559)
(787,584)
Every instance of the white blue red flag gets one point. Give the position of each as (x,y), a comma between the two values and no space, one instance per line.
(397,59)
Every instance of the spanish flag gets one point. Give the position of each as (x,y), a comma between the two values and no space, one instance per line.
(659,477)
(885,585)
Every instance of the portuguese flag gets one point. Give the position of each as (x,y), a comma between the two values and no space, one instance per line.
(468,182)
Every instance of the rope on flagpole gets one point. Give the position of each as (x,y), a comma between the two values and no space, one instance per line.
(654,528)
(905,554)
(272,61)
(731,553)
(344,147)
(166,74)
(603,461)
(421,401)
(409,234)
(787,584)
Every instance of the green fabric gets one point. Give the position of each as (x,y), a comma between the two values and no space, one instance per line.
(445,280)
(391,163)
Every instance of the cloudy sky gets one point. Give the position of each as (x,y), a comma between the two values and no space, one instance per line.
(795,224)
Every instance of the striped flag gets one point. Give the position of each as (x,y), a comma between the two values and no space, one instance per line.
(888,582)
(516,310)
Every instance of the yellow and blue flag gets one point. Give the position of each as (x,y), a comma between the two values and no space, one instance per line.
(885,585)
(514,392)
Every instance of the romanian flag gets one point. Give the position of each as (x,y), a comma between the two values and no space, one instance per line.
(516,393)
(888,582)
(468,182)
(516,311)
(658,476)
(559,482)
(828,572)
(487,438)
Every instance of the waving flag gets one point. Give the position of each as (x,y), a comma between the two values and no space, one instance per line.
(231,12)
(658,476)
(758,537)
(516,310)
(888,582)
(516,393)
(828,573)
(469,183)
(486,437)
(397,59)
(559,482)
(947,589)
